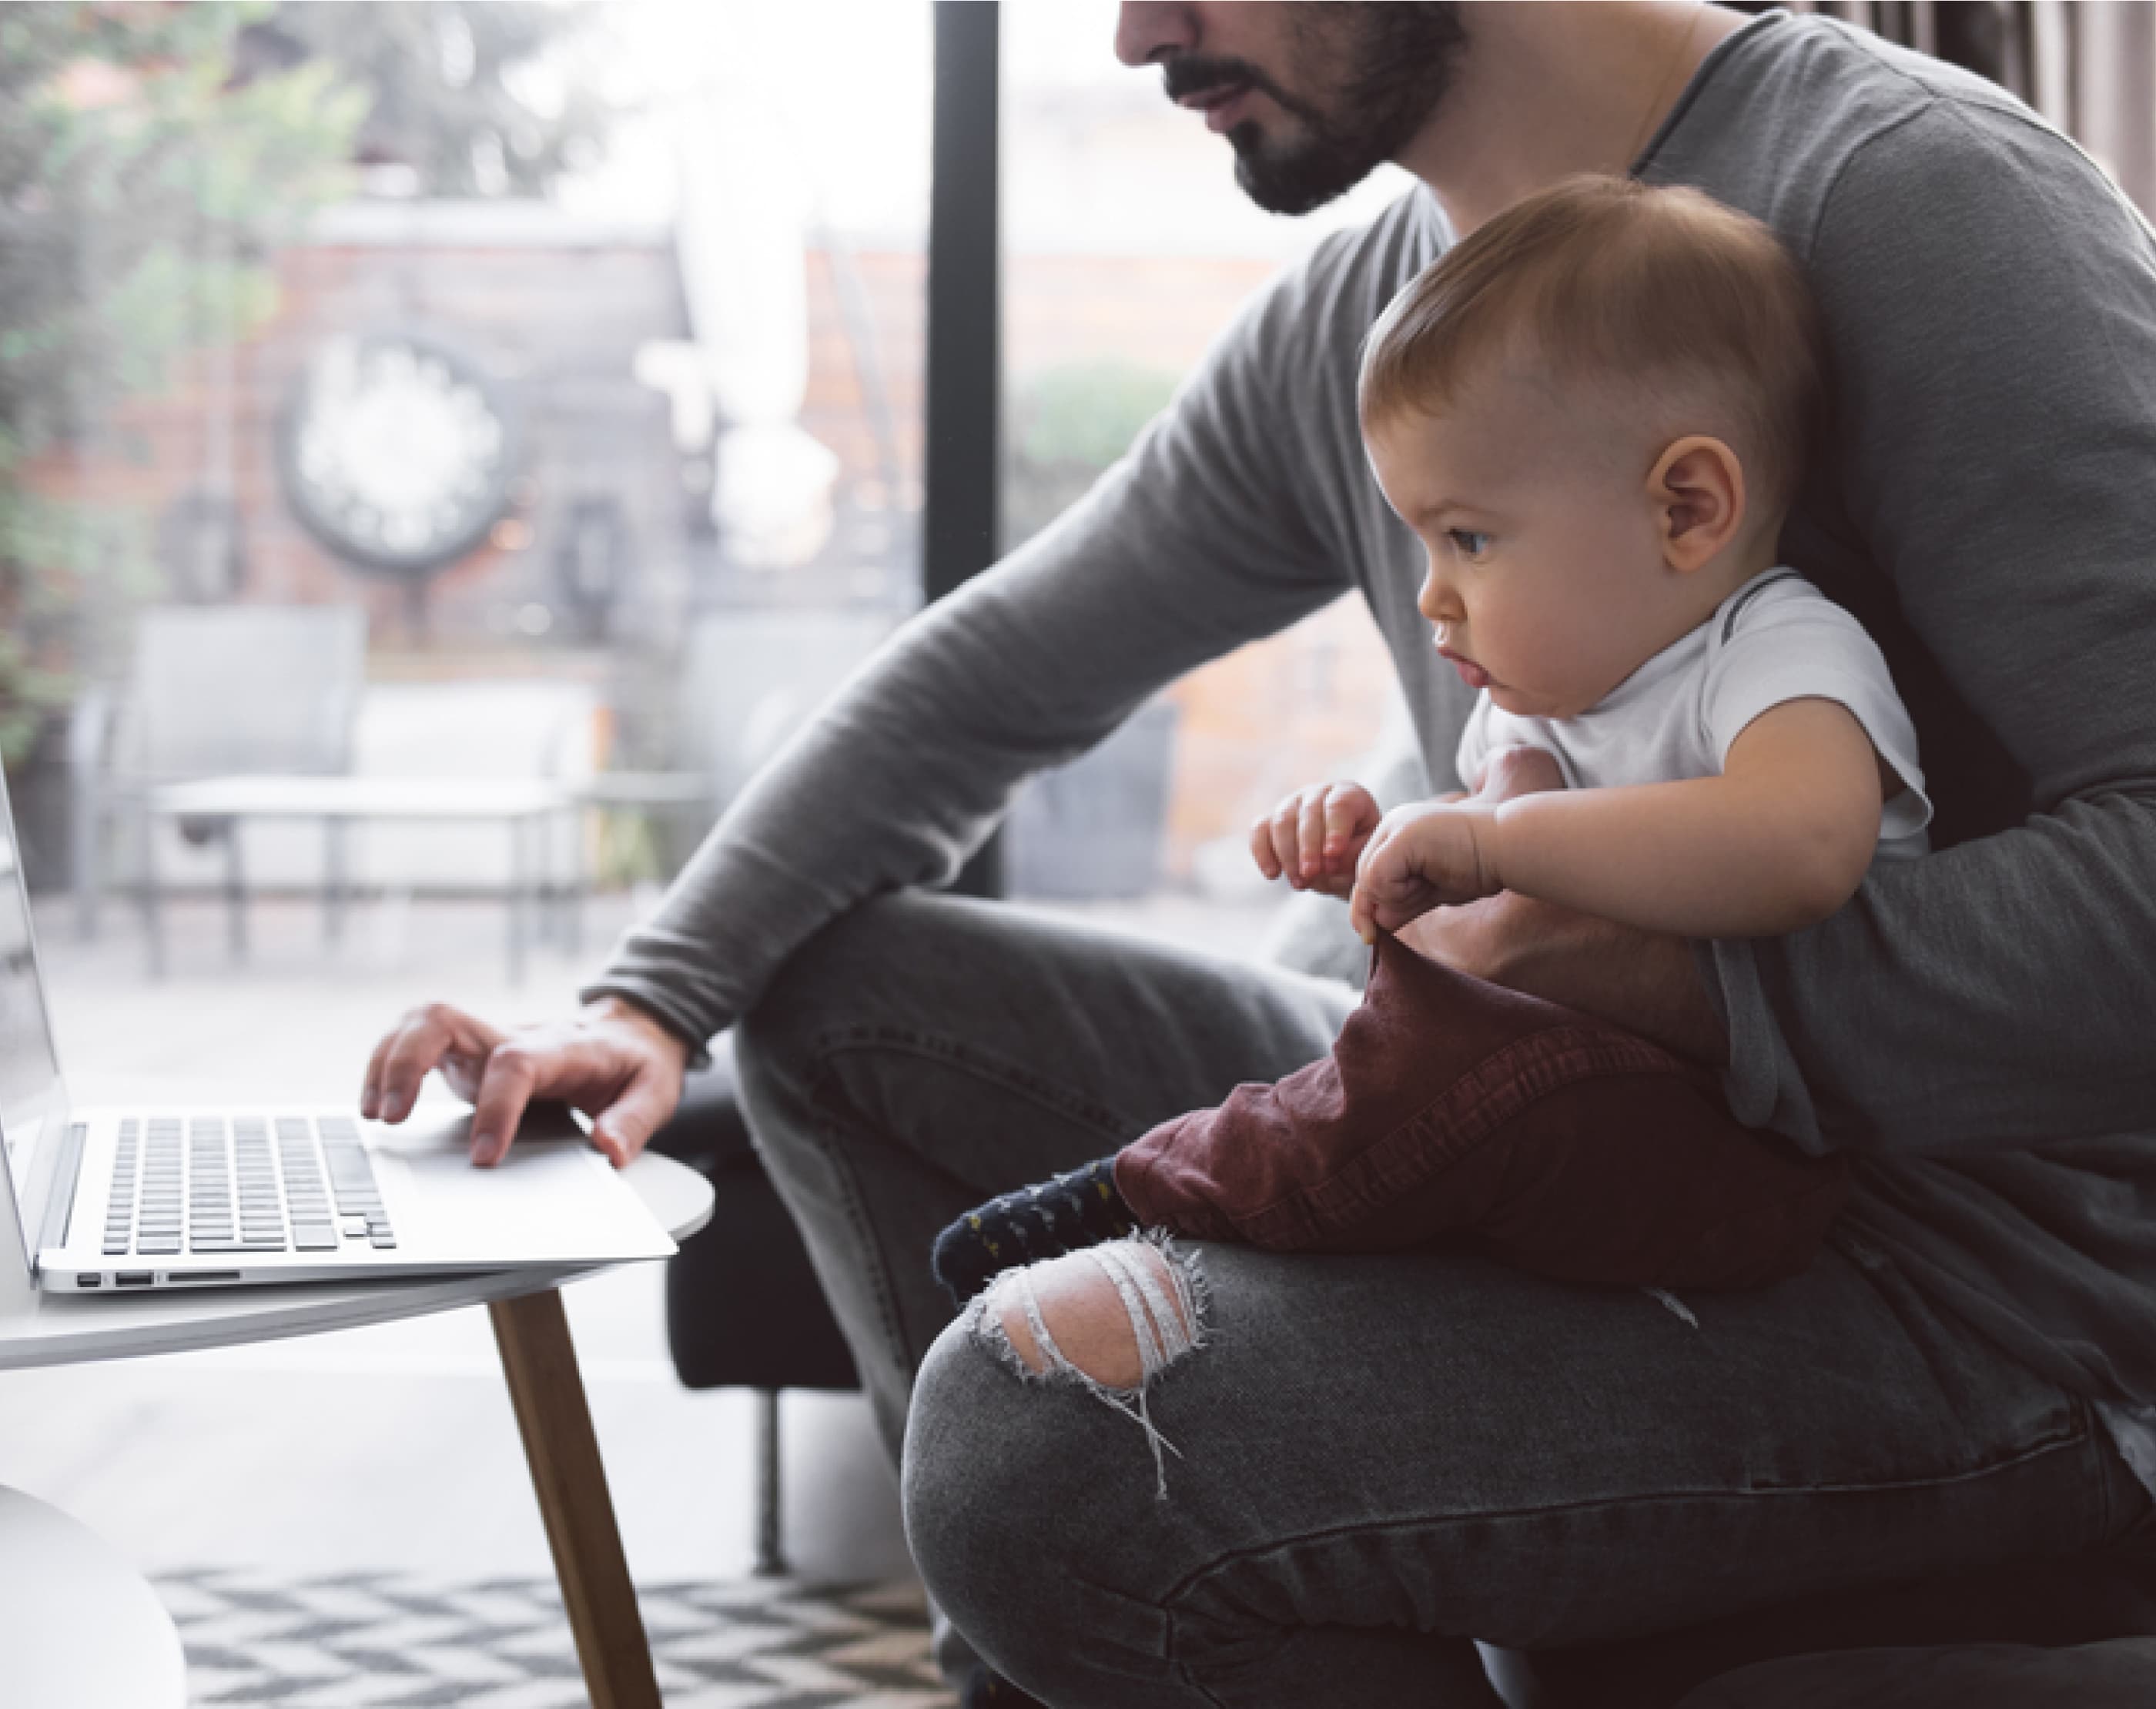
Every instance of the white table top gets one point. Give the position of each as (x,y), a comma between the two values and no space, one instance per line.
(59,1329)
(268,796)
(79,1626)
(645,789)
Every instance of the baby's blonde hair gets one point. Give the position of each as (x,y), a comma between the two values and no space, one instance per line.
(1603,278)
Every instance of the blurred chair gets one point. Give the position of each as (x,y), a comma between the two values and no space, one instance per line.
(1098,826)
(214,690)
(744,1309)
(750,678)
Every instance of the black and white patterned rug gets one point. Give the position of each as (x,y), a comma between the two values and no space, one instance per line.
(378,1641)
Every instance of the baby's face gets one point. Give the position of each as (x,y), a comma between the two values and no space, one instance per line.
(1546,580)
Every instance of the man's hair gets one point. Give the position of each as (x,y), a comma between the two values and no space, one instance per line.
(1660,289)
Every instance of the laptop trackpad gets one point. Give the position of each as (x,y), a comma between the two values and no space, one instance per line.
(548,1200)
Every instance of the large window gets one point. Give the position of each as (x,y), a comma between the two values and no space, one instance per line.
(568,357)
(1127,248)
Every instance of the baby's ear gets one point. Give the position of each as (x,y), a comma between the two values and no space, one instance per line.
(1698,489)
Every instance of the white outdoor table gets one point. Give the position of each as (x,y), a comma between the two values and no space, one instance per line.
(686,794)
(525,807)
(539,1361)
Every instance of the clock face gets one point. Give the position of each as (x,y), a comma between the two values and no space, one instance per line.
(395,452)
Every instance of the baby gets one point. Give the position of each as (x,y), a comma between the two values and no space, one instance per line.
(1593,412)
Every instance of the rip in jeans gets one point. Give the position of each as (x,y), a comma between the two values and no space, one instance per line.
(1166,1329)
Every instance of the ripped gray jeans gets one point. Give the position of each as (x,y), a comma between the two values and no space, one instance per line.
(1369,1462)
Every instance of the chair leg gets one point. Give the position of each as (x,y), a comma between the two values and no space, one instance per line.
(87,824)
(335,832)
(153,913)
(770,1554)
(235,891)
(523,892)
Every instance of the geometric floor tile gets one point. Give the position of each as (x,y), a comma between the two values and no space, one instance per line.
(389,1641)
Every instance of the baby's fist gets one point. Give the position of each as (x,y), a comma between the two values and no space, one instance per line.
(1314,838)
(1424,856)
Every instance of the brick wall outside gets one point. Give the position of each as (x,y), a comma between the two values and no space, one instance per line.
(560,326)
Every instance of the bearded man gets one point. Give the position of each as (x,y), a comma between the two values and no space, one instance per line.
(1380,1460)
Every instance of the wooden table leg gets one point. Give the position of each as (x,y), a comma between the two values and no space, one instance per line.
(547,1390)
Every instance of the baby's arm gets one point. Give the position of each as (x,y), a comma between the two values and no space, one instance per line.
(1778,841)
(1510,772)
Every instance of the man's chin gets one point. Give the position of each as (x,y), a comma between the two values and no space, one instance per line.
(1291,179)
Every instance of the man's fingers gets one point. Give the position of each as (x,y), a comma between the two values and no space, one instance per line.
(626,1125)
(418,1047)
(512,1076)
(370,1085)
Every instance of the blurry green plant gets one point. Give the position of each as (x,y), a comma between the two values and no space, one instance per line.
(475,97)
(144,187)
(1069,424)
(153,158)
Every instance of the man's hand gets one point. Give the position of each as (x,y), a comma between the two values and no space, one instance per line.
(1644,981)
(1421,857)
(1315,837)
(611,1059)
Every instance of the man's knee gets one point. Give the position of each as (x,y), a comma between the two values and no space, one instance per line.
(996,1466)
(1115,1315)
(976,1481)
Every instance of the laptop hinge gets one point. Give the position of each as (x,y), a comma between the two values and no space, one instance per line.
(60,1203)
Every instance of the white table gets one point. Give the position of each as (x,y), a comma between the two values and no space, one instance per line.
(539,1362)
(525,807)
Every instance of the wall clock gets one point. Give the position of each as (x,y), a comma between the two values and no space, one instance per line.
(397,452)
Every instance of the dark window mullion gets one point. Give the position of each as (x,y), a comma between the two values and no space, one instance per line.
(960,523)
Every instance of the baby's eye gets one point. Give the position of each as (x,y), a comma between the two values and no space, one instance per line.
(1471,542)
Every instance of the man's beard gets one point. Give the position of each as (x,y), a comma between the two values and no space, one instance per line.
(1399,60)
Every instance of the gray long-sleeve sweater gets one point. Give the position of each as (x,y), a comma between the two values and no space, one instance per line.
(1978,1025)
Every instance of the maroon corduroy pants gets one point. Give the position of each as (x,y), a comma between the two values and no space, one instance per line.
(1454,1112)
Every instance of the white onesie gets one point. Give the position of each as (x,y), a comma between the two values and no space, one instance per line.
(1776,638)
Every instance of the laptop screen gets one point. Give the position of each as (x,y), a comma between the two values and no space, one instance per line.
(33,1108)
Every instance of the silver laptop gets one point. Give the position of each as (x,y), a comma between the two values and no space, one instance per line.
(114,1201)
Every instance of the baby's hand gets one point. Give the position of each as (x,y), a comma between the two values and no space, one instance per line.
(1421,856)
(1314,838)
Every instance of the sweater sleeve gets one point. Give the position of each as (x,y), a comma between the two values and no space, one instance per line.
(1991,307)
(1198,540)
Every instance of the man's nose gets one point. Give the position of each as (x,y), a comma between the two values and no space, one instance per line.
(1149,31)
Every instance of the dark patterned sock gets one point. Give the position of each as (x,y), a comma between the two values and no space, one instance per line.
(1081,1209)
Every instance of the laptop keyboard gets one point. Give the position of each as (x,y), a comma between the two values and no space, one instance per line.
(251,1183)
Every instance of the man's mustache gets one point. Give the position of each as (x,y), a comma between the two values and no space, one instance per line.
(1188,75)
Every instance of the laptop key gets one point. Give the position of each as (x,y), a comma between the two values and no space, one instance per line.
(314,1237)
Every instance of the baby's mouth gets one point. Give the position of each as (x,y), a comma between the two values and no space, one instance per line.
(1473,674)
